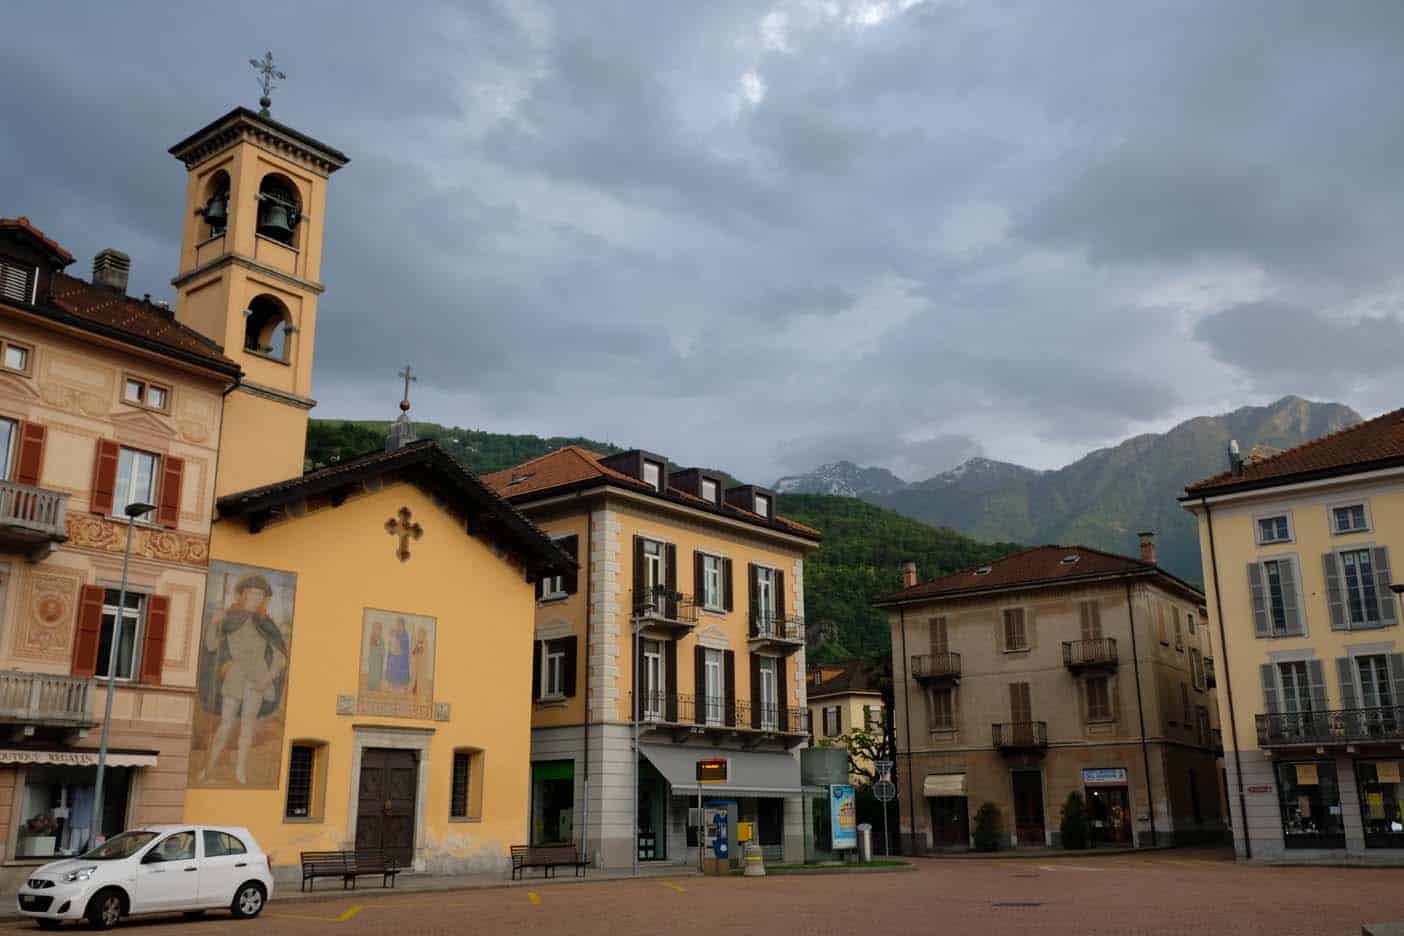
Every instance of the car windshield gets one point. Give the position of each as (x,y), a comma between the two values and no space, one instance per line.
(122,846)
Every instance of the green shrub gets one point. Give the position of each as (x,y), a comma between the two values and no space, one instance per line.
(1075,828)
(987,827)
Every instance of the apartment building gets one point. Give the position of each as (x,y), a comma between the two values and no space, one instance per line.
(844,698)
(1053,670)
(684,627)
(105,401)
(1296,550)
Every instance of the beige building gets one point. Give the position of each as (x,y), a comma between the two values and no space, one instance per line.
(685,624)
(1296,554)
(844,698)
(1054,670)
(105,400)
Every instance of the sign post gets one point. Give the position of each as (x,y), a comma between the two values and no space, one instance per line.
(884,791)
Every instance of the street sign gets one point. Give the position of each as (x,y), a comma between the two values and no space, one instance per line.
(885,791)
(711,770)
(883,768)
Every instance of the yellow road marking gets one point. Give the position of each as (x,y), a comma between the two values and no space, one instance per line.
(534,897)
(300,916)
(349,913)
(671,885)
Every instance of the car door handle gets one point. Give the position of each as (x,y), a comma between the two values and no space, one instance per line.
(242,864)
(187,869)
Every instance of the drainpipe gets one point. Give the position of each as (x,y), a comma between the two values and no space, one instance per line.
(907,702)
(1228,681)
(1141,712)
(585,823)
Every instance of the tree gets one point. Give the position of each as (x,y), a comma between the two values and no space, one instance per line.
(1074,826)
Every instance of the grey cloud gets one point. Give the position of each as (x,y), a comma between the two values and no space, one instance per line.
(1267,339)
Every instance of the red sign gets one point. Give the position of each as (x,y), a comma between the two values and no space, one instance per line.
(1261,788)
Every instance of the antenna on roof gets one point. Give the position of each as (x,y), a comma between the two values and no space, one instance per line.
(1235,458)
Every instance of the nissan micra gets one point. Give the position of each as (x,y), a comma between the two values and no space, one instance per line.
(154,869)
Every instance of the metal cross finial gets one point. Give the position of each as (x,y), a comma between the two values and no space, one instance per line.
(406,528)
(408,375)
(268,74)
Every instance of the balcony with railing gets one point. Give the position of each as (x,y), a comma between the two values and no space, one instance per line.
(1210,682)
(663,612)
(1380,724)
(31,519)
(677,713)
(1096,654)
(936,669)
(46,700)
(774,634)
(1020,737)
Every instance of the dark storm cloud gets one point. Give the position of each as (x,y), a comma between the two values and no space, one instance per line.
(753,235)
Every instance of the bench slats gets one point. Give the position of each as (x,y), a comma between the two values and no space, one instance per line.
(347,865)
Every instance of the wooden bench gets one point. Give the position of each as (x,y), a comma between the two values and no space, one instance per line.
(548,858)
(347,865)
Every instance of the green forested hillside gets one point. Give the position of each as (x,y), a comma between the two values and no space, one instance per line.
(329,440)
(858,560)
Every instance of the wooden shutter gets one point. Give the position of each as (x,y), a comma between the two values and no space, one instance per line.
(777,585)
(670,680)
(782,706)
(1316,682)
(670,578)
(640,582)
(1345,674)
(1335,598)
(536,670)
(755,691)
(570,578)
(1015,637)
(699,684)
(153,640)
(1383,595)
(568,665)
(1287,576)
(727,601)
(1262,627)
(699,578)
(1020,702)
(29,462)
(168,500)
(939,640)
(1267,673)
(729,685)
(753,583)
(89,634)
(1091,613)
(105,477)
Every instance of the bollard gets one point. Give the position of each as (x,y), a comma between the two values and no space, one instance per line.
(754,860)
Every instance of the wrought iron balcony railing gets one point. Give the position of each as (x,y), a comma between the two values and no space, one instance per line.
(936,667)
(1339,726)
(45,699)
(663,605)
(771,627)
(1090,654)
(681,710)
(1020,736)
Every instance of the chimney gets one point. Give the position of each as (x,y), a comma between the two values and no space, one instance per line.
(1147,546)
(1235,459)
(111,268)
(909,573)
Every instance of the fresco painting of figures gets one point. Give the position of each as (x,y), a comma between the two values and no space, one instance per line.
(397,665)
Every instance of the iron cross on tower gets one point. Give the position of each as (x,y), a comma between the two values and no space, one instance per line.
(408,376)
(268,74)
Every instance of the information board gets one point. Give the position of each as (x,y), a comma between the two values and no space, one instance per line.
(843,817)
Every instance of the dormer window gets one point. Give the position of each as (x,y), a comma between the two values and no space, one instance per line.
(1070,559)
(16,282)
(653,475)
(983,570)
(763,505)
(711,491)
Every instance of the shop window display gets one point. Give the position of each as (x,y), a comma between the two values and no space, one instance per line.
(57,810)
(1311,805)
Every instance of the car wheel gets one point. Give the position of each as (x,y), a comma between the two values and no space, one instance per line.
(105,909)
(248,901)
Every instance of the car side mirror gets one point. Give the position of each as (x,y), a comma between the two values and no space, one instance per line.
(152,857)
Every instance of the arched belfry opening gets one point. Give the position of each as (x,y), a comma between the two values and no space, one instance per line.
(279,209)
(267,328)
(215,205)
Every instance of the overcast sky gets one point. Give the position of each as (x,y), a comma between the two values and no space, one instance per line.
(762,236)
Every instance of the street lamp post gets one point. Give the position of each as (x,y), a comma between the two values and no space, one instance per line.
(133,511)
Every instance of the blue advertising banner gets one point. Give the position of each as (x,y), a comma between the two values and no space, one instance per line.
(843,817)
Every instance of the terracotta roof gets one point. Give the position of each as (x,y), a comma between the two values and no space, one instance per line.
(856,676)
(1040,566)
(22,224)
(1375,443)
(429,464)
(575,467)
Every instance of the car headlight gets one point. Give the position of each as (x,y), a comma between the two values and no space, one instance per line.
(80,874)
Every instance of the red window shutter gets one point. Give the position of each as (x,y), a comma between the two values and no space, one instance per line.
(172,473)
(153,640)
(105,477)
(29,463)
(85,641)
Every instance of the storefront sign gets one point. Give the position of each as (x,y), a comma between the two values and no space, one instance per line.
(943,785)
(1104,776)
(1387,771)
(1260,788)
(843,817)
(77,758)
(711,770)
(1306,775)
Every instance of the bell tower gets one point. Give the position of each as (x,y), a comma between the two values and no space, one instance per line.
(249,280)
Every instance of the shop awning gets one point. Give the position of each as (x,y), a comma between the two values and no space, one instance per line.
(951,784)
(749,773)
(77,758)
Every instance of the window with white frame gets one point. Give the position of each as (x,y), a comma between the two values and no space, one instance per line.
(653,680)
(762,505)
(653,475)
(1275,597)
(552,669)
(1358,576)
(831,721)
(715,692)
(9,442)
(137,479)
(120,632)
(1376,690)
(1351,518)
(711,491)
(765,597)
(712,582)
(1274,529)
(15,357)
(553,586)
(770,714)
(141,392)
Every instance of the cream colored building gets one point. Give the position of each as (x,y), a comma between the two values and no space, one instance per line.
(844,698)
(1296,551)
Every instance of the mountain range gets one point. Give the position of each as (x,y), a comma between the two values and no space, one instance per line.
(1103,499)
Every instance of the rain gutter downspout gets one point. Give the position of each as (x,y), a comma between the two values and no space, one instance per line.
(1141,712)
(907,703)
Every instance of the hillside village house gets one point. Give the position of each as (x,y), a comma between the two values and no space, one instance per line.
(363,623)
(844,698)
(707,582)
(105,400)
(1296,554)
(1057,669)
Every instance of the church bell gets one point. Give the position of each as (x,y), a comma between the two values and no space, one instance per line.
(216,211)
(277,219)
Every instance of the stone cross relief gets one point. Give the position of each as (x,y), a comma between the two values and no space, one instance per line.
(406,528)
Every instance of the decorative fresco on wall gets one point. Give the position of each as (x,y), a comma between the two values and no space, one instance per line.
(397,665)
(245,647)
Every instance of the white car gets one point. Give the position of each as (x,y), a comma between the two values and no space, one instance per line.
(153,869)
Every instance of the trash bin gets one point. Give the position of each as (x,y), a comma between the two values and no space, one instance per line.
(865,841)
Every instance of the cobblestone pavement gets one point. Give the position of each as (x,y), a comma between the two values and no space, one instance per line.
(1189,892)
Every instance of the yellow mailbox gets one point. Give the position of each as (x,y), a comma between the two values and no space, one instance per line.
(744,831)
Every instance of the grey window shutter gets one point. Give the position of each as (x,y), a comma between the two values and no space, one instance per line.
(1396,676)
(1261,627)
(1316,679)
(1345,674)
(1287,575)
(1383,595)
(1335,600)
(1269,677)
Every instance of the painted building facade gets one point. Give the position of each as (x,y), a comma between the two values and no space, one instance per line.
(685,624)
(844,698)
(105,401)
(1297,550)
(1052,671)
